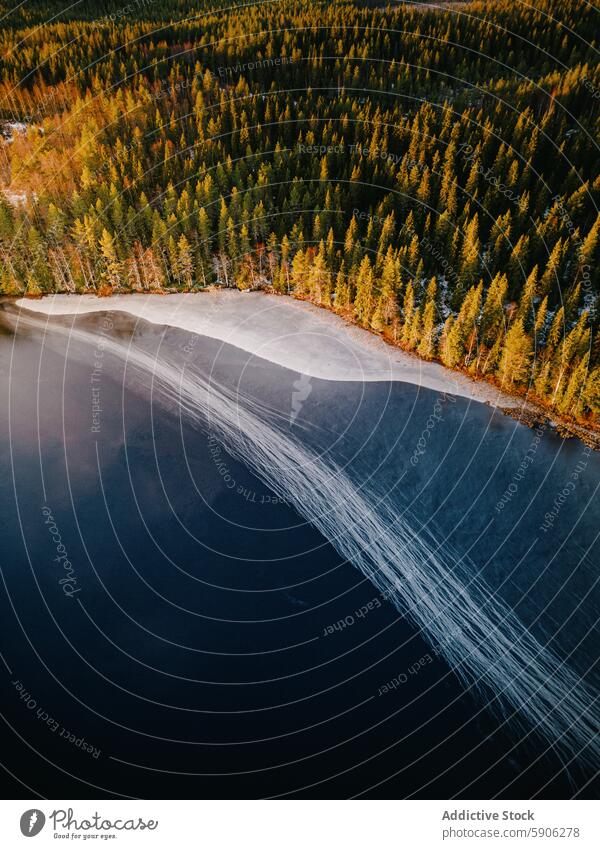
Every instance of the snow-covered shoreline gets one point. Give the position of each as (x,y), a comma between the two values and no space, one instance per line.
(290,333)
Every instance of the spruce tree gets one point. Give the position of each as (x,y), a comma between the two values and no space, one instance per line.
(514,366)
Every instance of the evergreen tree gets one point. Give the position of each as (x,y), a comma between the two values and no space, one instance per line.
(470,255)
(462,336)
(363,302)
(185,262)
(112,266)
(514,367)
(408,314)
(426,347)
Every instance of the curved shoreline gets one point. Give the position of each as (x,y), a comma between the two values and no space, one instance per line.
(307,339)
(288,332)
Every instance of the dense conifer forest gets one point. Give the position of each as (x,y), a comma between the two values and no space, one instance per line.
(429,172)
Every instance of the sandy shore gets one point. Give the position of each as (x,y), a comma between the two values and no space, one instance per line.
(290,333)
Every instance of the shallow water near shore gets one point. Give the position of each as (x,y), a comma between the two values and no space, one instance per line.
(206,639)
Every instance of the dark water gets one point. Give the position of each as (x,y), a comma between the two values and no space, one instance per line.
(191,641)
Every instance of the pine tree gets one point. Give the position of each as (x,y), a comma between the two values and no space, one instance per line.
(448,354)
(426,348)
(342,292)
(6,222)
(154,275)
(416,329)
(377,322)
(572,400)
(587,251)
(551,275)
(112,266)
(388,305)
(185,263)
(492,316)
(517,265)
(463,334)
(363,301)
(350,241)
(470,254)
(514,367)
(319,278)
(300,273)
(408,314)
(591,392)
(540,318)
(134,268)
(572,346)
(204,234)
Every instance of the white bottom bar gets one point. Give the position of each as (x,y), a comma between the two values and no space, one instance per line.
(301,824)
